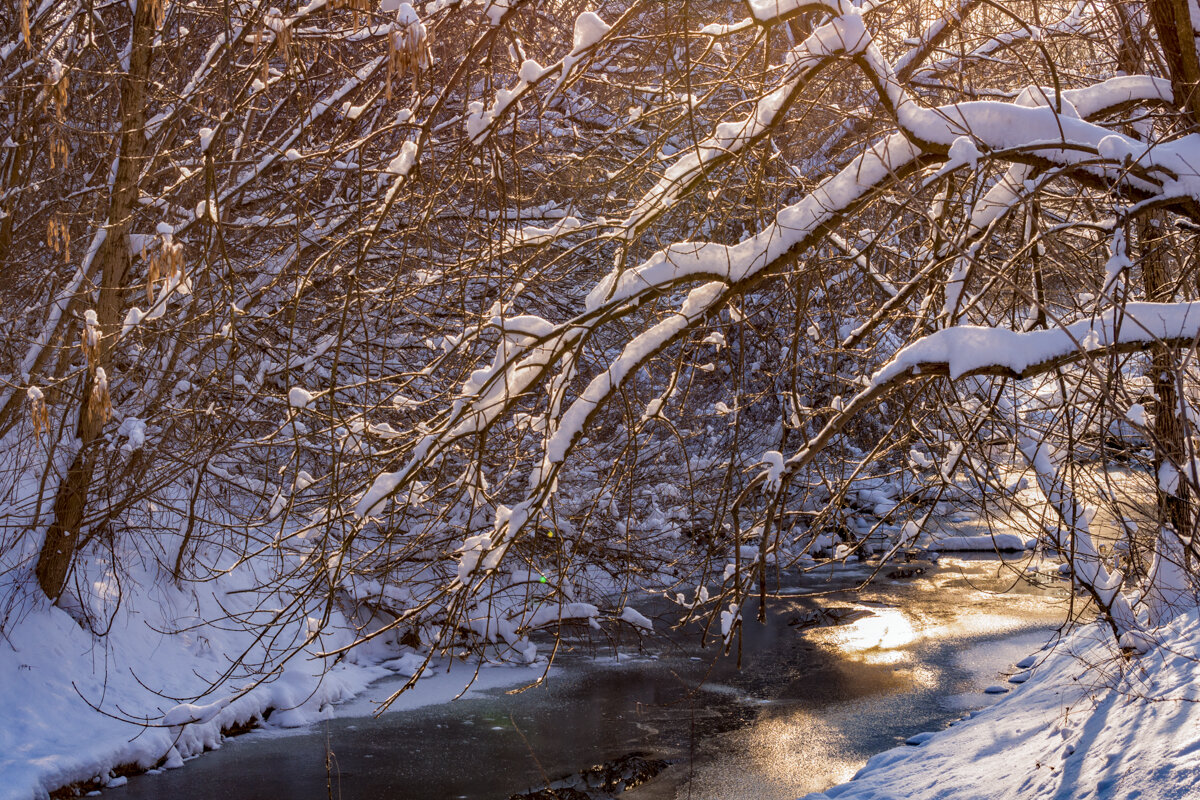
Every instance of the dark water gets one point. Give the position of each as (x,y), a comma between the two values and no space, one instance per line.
(804,712)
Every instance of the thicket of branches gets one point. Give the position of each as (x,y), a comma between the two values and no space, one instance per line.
(462,318)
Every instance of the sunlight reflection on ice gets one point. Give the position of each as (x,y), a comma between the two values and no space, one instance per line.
(878,636)
(786,754)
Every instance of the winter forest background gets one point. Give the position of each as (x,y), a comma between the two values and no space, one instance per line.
(361,326)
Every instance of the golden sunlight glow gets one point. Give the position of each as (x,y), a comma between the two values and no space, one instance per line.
(876,636)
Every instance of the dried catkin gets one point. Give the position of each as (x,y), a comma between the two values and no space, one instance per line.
(354,5)
(167,263)
(100,404)
(39,414)
(408,48)
(89,339)
(158,12)
(24,4)
(58,238)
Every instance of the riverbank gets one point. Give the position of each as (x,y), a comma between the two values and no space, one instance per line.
(76,709)
(924,658)
(826,684)
(77,713)
(1089,724)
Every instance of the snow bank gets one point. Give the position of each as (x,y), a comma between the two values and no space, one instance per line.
(1086,725)
(56,675)
(74,707)
(51,736)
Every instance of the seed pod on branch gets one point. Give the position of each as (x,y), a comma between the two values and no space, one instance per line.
(282,34)
(151,276)
(57,88)
(354,5)
(408,46)
(58,238)
(158,11)
(59,151)
(172,258)
(89,339)
(24,6)
(38,412)
(166,263)
(100,406)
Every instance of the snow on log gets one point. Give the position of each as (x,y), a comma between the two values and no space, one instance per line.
(1006,542)
(190,713)
(636,618)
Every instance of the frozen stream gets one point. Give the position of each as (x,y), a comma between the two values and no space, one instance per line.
(805,711)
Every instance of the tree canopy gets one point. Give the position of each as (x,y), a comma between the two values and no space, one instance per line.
(467,319)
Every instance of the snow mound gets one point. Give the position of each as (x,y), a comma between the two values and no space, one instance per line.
(589,29)
(999,541)
(921,738)
(299,398)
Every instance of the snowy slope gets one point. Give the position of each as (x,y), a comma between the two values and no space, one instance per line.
(1086,725)
(70,703)
(56,676)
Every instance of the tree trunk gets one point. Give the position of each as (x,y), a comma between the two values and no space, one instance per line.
(1176,35)
(1170,445)
(113,258)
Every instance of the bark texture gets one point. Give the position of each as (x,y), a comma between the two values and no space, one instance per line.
(112,261)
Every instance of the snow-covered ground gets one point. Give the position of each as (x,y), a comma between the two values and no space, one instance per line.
(1085,723)
(70,704)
